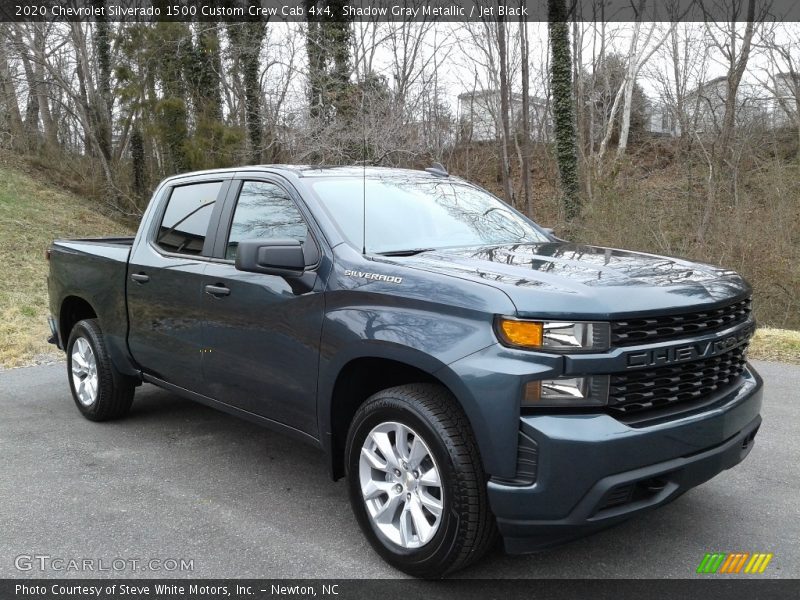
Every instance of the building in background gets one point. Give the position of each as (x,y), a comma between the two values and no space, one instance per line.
(479,116)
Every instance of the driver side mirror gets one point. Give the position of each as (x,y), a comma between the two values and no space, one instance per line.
(282,257)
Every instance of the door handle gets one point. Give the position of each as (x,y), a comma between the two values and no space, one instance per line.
(140,277)
(217,290)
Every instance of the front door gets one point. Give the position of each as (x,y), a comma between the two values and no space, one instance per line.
(261,335)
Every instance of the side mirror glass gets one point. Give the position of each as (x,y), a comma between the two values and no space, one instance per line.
(282,257)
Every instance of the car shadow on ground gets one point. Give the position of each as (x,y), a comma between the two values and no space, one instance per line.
(267,458)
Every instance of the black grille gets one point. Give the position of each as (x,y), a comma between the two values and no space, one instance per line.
(654,329)
(661,387)
(527,461)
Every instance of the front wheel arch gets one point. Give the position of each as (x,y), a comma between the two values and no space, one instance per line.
(356,381)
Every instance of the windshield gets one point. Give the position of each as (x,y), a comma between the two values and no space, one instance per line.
(412,214)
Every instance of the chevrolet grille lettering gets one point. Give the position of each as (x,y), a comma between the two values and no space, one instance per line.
(688,352)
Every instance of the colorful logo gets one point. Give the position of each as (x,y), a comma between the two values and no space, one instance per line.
(735,562)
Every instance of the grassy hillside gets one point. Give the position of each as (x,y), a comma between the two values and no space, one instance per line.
(32,213)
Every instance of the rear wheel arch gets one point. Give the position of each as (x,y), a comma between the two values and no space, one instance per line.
(73,310)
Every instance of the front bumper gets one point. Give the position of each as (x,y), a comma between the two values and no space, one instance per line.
(594,470)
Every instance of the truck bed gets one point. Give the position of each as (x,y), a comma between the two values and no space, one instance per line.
(93,270)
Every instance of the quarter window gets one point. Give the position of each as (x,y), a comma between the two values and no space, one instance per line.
(185,223)
(264,211)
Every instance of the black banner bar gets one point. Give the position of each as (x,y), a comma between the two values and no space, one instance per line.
(390,10)
(712,588)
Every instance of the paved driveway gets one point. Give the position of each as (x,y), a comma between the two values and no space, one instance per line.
(179,480)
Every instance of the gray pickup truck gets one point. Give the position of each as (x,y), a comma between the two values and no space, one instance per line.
(469,373)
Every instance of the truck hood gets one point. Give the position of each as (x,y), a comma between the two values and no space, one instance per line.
(561,279)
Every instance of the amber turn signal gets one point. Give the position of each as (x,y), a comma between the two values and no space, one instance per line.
(524,334)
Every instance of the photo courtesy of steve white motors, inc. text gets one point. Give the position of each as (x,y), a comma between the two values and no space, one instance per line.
(172,590)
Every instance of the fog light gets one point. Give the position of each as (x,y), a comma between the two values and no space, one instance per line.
(567,391)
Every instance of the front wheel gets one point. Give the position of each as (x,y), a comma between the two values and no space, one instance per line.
(100,391)
(416,482)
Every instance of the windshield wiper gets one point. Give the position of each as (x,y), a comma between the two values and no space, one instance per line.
(410,252)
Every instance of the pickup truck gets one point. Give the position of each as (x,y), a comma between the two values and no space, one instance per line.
(468,372)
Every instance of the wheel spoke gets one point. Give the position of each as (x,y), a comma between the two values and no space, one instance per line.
(401,441)
(434,505)
(374,460)
(430,478)
(420,522)
(417,453)
(78,359)
(374,489)
(385,514)
(406,535)
(381,440)
(91,387)
(77,369)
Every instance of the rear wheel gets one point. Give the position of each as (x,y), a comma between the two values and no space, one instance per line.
(416,482)
(100,391)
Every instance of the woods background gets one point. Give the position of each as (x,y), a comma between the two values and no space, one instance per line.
(669,137)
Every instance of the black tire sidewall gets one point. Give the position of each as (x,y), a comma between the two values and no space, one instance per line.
(418,561)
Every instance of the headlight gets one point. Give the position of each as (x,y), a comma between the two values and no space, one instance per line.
(567,391)
(554,336)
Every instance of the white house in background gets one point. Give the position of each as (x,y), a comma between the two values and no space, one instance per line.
(479,116)
(660,120)
(705,108)
(786,88)
(755,106)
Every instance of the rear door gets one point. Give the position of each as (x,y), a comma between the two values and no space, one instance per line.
(263,333)
(165,280)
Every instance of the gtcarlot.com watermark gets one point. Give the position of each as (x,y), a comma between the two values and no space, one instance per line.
(64,564)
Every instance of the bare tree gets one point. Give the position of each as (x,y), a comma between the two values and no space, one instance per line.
(9,100)
(526,117)
(782,78)
(733,41)
(505,93)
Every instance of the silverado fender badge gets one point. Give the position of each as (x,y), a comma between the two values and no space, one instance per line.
(374,276)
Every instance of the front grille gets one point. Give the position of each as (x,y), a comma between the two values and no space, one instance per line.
(655,329)
(660,387)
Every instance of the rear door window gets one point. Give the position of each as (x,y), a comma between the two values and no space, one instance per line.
(186,219)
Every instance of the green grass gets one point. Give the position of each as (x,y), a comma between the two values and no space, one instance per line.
(782,345)
(32,214)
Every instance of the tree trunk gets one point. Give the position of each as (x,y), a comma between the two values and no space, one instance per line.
(10,95)
(31,124)
(252,88)
(102,100)
(48,124)
(563,107)
(526,119)
(504,110)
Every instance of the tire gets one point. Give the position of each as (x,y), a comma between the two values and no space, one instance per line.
(100,392)
(390,508)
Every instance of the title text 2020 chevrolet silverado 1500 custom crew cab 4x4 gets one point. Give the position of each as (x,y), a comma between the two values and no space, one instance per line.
(467,371)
